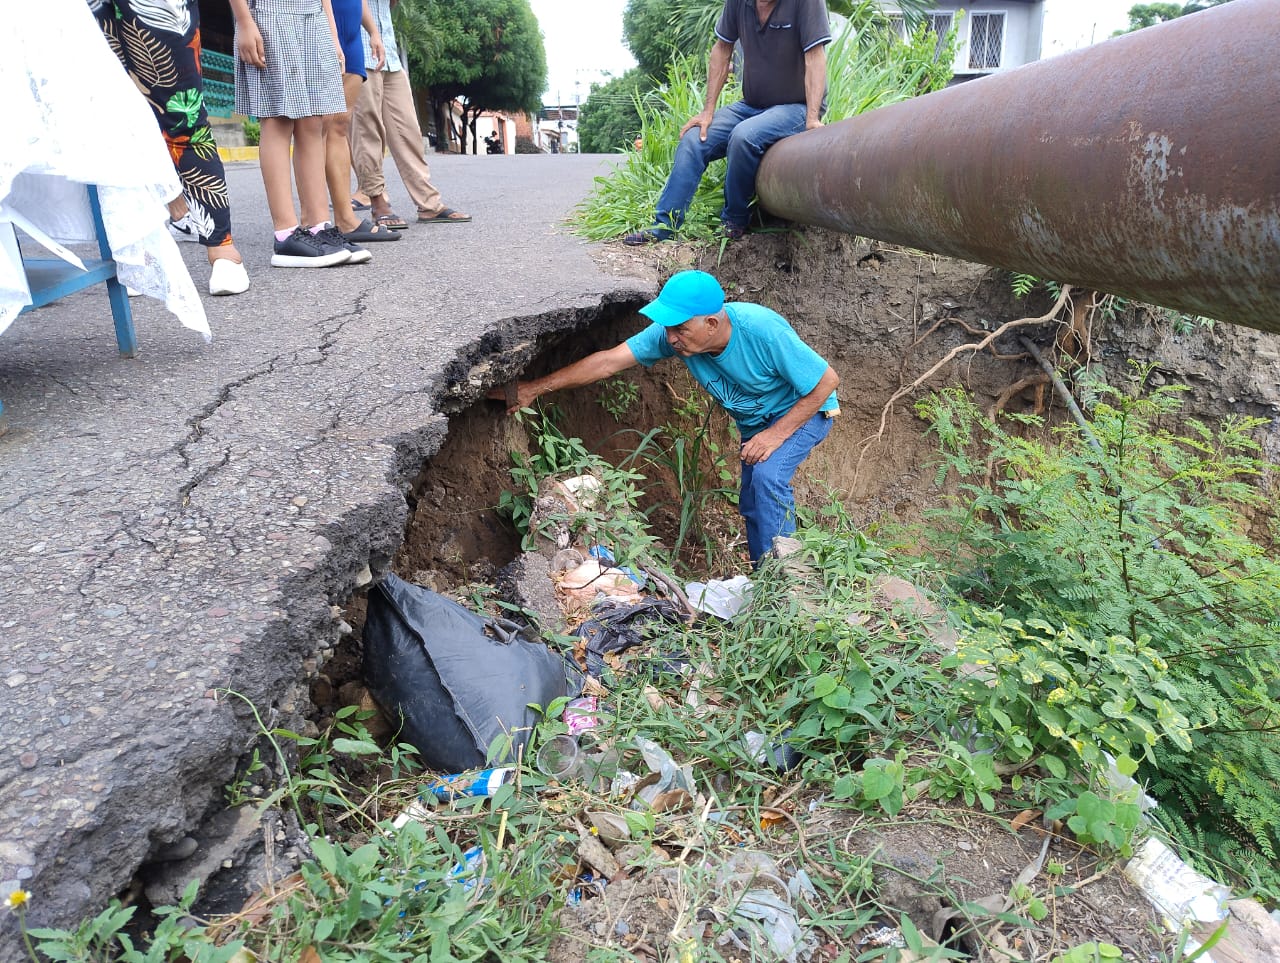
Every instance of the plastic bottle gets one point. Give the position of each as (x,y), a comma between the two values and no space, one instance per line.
(484,782)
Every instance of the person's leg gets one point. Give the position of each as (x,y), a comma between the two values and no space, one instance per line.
(308,170)
(692,157)
(273,159)
(747,144)
(174,87)
(369,143)
(337,156)
(404,140)
(766,500)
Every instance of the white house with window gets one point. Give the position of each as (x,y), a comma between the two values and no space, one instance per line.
(994,35)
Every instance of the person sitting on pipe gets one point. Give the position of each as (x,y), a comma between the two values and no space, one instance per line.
(784,86)
(779,391)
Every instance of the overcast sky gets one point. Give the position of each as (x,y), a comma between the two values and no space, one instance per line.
(584,37)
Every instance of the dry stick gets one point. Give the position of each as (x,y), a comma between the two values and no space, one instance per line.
(1063,392)
(950,356)
(671,586)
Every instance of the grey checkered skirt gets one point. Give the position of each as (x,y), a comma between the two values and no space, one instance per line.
(301,78)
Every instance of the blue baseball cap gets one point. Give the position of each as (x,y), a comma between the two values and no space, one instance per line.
(686,295)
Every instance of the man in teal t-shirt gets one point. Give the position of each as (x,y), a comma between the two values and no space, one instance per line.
(779,391)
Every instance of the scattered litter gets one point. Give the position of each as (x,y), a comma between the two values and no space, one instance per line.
(616,626)
(623,782)
(884,936)
(723,598)
(468,872)
(580,491)
(603,553)
(1182,895)
(588,884)
(593,578)
(582,714)
(559,758)
(780,756)
(1123,784)
(459,689)
(762,906)
(484,782)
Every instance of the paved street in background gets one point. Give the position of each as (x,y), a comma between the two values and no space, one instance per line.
(183,522)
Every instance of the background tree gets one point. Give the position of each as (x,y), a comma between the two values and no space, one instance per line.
(485,54)
(610,118)
(1143,15)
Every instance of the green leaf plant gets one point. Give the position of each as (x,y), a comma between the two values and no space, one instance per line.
(1119,604)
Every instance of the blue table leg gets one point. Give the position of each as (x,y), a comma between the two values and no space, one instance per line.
(121,312)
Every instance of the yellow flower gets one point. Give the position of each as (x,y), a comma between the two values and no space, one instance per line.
(17,900)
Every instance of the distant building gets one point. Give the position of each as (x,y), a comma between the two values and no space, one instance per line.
(557,129)
(994,35)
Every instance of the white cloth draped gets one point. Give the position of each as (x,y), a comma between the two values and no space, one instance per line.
(71,117)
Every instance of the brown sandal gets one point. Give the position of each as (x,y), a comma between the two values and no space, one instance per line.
(392,221)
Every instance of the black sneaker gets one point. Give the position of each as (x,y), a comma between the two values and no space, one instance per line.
(359,255)
(306,250)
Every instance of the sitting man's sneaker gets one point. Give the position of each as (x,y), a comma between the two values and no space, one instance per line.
(184,229)
(733,232)
(650,235)
(306,250)
(359,255)
(228,277)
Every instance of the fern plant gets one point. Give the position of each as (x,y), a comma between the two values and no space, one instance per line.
(1144,537)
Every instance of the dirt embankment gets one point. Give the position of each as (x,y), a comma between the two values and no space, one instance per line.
(881,317)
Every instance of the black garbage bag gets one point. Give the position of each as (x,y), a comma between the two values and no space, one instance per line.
(616,626)
(458,681)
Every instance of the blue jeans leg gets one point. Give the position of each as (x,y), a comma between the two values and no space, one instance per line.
(692,157)
(766,500)
(747,144)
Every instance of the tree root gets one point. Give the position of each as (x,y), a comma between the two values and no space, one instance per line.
(988,338)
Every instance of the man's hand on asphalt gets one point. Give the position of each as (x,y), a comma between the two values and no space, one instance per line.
(813,124)
(515,395)
(702,120)
(761,445)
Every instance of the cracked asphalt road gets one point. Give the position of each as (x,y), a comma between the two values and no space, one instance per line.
(181,523)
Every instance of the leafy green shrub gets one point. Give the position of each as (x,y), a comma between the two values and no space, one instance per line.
(865,69)
(252,131)
(1137,532)
(1042,693)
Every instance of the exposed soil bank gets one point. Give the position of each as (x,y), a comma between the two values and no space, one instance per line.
(870,312)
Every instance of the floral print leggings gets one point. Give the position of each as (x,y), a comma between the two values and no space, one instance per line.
(158,41)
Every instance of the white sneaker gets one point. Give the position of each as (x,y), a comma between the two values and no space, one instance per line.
(228,277)
(184,229)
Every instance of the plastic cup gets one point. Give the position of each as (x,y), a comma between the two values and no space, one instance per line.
(559,758)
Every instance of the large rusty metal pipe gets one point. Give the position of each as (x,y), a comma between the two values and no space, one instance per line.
(1147,166)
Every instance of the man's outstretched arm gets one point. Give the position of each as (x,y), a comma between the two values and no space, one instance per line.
(592,368)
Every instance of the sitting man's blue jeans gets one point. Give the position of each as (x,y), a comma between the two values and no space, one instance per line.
(766,500)
(741,133)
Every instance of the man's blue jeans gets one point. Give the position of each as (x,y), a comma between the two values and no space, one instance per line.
(741,133)
(766,500)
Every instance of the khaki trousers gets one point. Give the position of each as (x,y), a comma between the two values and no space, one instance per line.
(385,120)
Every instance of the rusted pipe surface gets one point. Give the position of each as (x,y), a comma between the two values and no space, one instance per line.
(1146,166)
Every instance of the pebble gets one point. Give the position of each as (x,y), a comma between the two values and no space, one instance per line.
(28,760)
